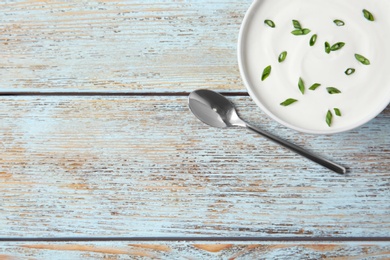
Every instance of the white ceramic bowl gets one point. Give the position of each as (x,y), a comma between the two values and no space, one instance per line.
(365,94)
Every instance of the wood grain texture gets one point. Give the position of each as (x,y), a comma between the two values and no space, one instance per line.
(108,45)
(143,166)
(137,166)
(185,250)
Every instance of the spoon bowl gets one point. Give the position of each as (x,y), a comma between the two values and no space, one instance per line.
(215,110)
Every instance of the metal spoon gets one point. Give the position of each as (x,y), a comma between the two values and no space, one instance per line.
(217,111)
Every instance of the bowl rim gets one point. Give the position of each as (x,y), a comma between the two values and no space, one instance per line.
(244,77)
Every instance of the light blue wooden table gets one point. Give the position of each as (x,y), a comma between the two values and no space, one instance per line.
(101,158)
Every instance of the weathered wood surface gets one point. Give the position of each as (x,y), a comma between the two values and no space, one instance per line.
(131,46)
(185,250)
(143,165)
(131,166)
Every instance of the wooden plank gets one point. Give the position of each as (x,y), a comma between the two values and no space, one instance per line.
(137,166)
(117,45)
(188,250)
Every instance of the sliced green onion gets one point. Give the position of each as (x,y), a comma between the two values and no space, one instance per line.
(301,86)
(350,71)
(298,29)
(266,73)
(313,40)
(332,90)
(337,111)
(282,56)
(362,59)
(368,15)
(288,102)
(297,32)
(315,86)
(337,46)
(301,31)
(270,23)
(327,47)
(329,117)
(296,24)
(339,22)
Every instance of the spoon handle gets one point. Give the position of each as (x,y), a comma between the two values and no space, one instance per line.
(299,150)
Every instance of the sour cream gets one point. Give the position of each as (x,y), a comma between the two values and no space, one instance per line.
(364,94)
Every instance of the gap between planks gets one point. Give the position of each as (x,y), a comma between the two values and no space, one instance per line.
(196,239)
(108,94)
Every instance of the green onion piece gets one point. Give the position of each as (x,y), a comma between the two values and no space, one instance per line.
(350,71)
(313,40)
(337,112)
(315,86)
(288,102)
(368,15)
(329,117)
(298,29)
(327,47)
(266,73)
(337,46)
(301,31)
(270,23)
(282,56)
(362,59)
(297,32)
(296,24)
(332,90)
(301,86)
(339,22)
